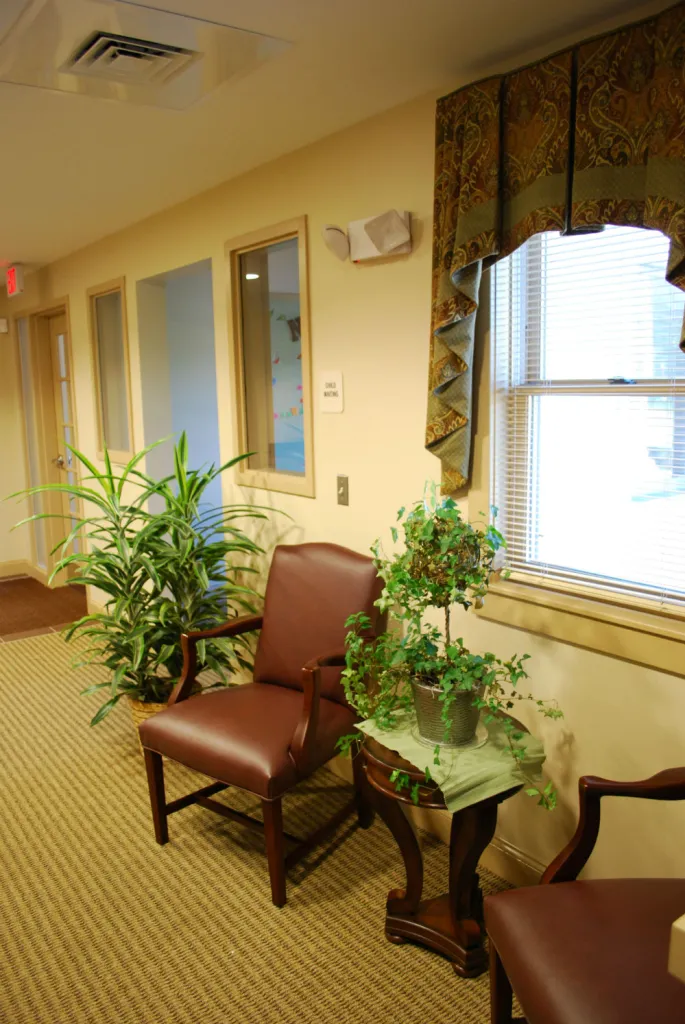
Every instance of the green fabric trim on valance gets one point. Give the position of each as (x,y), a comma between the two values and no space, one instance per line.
(594,135)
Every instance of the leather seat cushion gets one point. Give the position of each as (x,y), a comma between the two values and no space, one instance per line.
(242,735)
(592,952)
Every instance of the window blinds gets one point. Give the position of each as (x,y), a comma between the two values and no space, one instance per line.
(589,438)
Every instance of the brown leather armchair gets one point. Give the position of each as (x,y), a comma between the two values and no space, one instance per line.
(589,952)
(265,736)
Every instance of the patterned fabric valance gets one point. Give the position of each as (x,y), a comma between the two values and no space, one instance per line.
(594,135)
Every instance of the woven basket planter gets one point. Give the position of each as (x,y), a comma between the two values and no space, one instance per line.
(463,716)
(141,710)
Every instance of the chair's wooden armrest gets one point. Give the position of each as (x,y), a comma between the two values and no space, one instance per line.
(234,627)
(335,660)
(666,785)
(189,642)
(305,731)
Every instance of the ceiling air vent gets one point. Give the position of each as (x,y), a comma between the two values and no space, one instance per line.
(109,50)
(127,59)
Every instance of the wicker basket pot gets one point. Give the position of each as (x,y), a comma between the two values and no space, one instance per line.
(463,716)
(141,710)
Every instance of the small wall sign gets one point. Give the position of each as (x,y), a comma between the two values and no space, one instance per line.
(331,391)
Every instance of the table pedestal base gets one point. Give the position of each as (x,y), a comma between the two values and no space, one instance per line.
(431,926)
(451,924)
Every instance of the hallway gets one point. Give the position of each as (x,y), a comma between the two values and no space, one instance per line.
(27,608)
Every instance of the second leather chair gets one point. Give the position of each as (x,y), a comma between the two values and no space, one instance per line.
(265,736)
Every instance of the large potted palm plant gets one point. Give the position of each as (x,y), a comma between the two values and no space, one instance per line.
(157,574)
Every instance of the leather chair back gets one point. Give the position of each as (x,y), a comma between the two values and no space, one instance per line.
(311,592)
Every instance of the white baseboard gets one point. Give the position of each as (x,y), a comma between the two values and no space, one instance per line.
(22,568)
(13,569)
(501,857)
(511,863)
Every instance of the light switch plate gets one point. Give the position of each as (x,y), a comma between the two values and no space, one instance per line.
(4,325)
(343,490)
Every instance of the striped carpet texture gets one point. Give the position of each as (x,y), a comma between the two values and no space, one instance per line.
(102,926)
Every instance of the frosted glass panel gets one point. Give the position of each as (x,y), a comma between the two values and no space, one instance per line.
(35,503)
(62,355)
(69,440)
(74,510)
(111,356)
(66,411)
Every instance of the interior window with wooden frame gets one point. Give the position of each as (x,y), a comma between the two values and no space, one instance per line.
(111,369)
(272,357)
(586,386)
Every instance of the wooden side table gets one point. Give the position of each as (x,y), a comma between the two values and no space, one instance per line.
(451,924)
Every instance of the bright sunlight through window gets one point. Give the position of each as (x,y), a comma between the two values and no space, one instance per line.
(589,439)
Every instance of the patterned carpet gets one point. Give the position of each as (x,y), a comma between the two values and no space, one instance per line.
(102,925)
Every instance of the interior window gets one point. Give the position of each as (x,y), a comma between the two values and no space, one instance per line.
(270,325)
(108,324)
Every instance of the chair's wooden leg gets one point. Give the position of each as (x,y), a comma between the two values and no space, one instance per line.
(154,767)
(501,995)
(275,849)
(365,809)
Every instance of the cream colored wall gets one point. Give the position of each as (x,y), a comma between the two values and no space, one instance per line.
(369,321)
(622,722)
(372,323)
(14,546)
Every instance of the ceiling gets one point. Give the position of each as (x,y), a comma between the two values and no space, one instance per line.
(74,168)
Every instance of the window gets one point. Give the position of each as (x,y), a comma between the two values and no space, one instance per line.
(271,335)
(589,419)
(111,369)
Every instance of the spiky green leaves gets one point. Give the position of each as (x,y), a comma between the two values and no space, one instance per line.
(185,567)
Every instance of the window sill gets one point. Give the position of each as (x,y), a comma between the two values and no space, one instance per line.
(653,639)
(117,458)
(270,480)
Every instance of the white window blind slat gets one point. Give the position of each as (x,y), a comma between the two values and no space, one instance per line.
(589,439)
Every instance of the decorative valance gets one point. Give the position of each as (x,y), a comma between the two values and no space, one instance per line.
(590,136)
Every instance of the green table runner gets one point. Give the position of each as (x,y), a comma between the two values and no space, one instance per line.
(465,775)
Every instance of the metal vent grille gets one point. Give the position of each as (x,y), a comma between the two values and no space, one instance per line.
(112,50)
(128,59)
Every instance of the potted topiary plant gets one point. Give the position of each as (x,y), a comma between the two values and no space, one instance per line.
(446,562)
(162,573)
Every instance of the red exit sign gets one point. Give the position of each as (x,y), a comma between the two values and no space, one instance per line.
(14,277)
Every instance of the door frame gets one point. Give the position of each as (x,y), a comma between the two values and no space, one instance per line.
(40,359)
